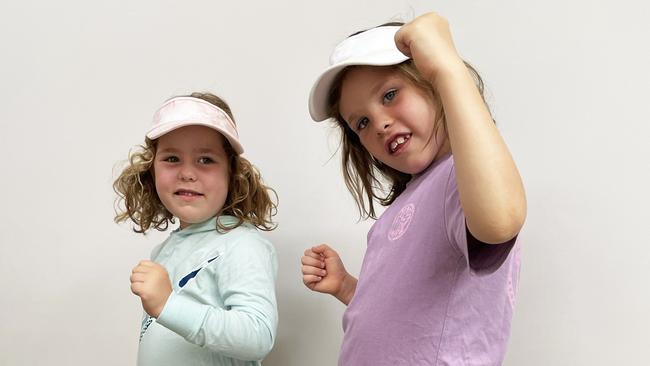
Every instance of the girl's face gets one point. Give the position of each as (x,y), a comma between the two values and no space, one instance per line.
(191,173)
(393,118)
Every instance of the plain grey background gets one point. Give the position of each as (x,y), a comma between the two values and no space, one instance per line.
(567,81)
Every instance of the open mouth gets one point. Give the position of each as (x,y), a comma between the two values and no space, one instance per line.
(397,143)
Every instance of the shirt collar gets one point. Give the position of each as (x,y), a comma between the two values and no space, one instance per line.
(207,225)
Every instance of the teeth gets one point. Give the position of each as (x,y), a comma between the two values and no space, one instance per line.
(187,193)
(398,141)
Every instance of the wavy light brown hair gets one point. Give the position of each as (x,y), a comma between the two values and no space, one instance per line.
(367,178)
(249,199)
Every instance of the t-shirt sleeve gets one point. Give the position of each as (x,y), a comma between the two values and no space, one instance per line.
(482,258)
(246,327)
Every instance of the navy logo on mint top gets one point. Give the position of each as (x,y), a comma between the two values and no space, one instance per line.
(192,274)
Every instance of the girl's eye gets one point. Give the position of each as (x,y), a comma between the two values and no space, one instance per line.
(362,123)
(205,160)
(171,159)
(390,95)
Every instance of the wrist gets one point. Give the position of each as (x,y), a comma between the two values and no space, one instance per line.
(449,74)
(158,309)
(347,290)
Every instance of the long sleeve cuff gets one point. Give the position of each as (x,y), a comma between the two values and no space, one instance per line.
(182,315)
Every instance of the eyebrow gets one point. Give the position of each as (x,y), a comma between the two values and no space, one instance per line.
(205,150)
(167,150)
(379,86)
(201,150)
(373,90)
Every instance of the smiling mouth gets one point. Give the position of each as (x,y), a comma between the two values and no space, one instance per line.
(397,142)
(187,193)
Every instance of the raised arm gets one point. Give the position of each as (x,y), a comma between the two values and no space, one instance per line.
(491,191)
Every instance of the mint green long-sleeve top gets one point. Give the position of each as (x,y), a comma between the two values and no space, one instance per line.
(223,309)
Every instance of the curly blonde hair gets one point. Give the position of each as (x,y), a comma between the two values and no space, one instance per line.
(249,199)
(367,178)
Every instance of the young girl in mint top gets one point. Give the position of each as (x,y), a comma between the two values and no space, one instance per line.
(438,280)
(208,291)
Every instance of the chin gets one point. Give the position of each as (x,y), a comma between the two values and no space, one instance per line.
(193,218)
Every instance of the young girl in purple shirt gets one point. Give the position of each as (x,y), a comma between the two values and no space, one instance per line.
(439,277)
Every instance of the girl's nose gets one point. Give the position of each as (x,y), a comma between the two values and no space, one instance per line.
(187,175)
(382,127)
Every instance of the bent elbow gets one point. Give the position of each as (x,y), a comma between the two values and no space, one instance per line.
(500,236)
(502,229)
(262,348)
(258,346)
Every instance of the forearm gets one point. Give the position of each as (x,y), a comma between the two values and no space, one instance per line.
(245,334)
(490,188)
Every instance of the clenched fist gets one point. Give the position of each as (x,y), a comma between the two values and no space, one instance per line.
(323,271)
(150,281)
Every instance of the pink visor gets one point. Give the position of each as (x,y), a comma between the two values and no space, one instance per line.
(185,111)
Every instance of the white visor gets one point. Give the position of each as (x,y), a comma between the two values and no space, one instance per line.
(374,47)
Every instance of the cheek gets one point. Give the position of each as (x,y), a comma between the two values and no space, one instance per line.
(162,177)
(224,179)
(373,146)
(219,179)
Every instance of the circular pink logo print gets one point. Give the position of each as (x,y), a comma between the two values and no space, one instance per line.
(401,222)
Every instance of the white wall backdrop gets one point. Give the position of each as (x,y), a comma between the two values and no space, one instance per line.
(79,80)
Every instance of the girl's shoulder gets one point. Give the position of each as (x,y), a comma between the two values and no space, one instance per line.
(438,175)
(444,163)
(246,237)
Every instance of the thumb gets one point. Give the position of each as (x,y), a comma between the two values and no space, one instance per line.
(402,43)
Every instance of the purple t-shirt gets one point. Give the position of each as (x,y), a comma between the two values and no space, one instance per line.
(428,292)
